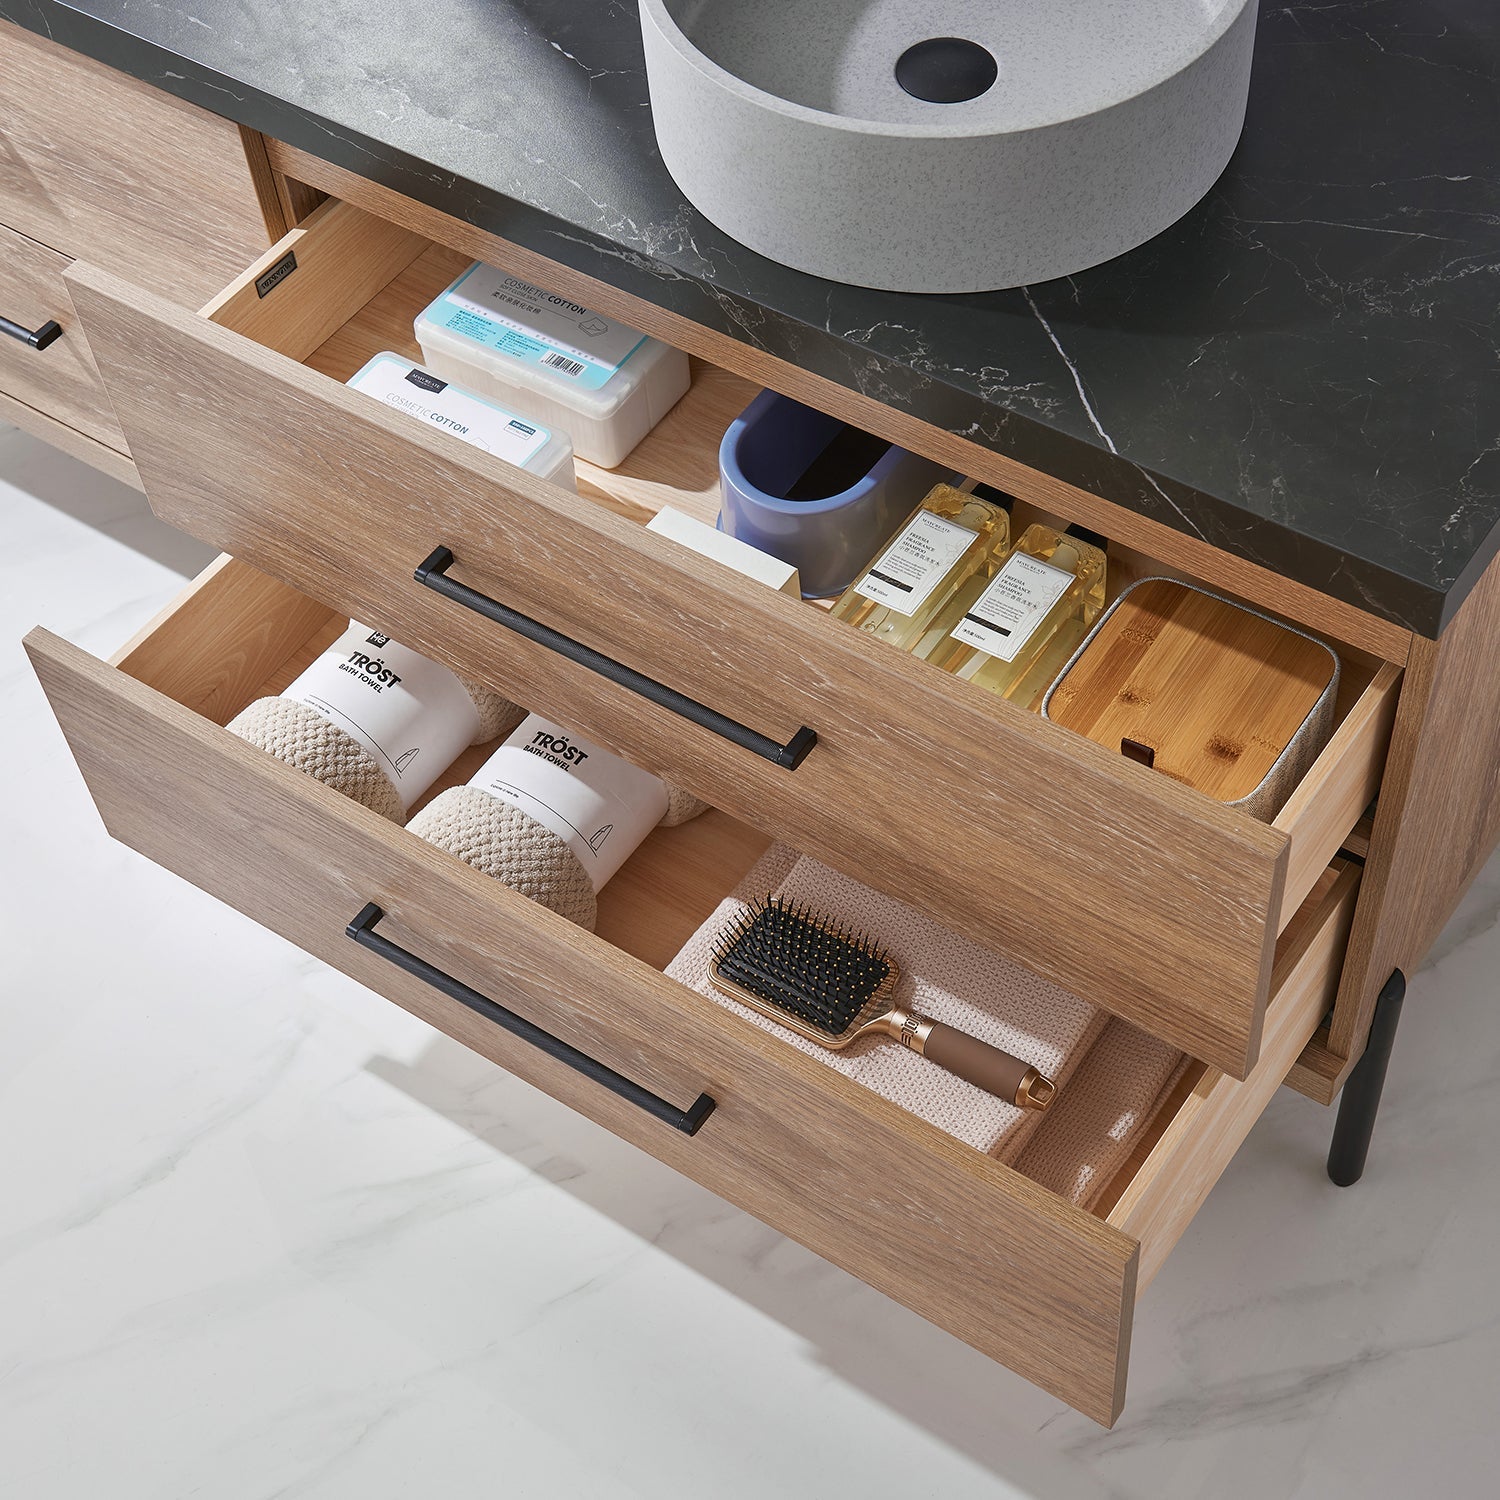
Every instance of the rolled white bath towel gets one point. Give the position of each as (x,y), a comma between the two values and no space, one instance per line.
(387,723)
(553,817)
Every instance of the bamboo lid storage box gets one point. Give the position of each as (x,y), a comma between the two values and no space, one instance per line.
(1206,691)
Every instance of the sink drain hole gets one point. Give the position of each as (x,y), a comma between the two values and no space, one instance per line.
(946,70)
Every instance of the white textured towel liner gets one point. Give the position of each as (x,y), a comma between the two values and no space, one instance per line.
(501,841)
(303,738)
(947,977)
(1085,1137)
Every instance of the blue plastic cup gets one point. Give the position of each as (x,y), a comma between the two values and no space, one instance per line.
(767,449)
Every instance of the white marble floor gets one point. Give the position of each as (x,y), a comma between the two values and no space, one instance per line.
(264,1235)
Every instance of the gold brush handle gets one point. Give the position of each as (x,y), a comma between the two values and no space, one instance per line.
(990,1068)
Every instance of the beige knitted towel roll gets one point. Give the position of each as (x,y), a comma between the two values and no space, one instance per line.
(501,841)
(942,975)
(497,714)
(1085,1137)
(682,807)
(303,738)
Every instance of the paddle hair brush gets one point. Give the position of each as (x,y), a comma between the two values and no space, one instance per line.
(833,985)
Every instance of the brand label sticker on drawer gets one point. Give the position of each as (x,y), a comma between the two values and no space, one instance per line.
(268,281)
(516,318)
(913,565)
(1004,617)
(421,394)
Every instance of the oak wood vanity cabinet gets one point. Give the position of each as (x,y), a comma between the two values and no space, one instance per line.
(1257,949)
(97,166)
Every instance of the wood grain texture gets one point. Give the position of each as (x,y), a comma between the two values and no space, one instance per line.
(1438,817)
(1203,1136)
(1325,810)
(1236,575)
(1324,903)
(264,179)
(1358,842)
(61,380)
(1318,1074)
(677,465)
(297,199)
(331,266)
(98,165)
(964,1241)
(236,634)
(214,645)
(348,497)
(1215,692)
(69,440)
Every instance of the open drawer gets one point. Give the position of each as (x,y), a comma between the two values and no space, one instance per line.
(1019,1273)
(1133,892)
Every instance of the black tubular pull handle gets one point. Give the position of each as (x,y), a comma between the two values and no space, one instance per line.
(433,574)
(38,338)
(362,930)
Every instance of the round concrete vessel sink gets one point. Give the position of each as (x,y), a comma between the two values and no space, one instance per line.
(946,145)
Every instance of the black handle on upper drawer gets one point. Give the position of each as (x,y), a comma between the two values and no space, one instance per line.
(433,574)
(38,338)
(362,930)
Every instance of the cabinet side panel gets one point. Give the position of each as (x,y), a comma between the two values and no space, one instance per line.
(1439,814)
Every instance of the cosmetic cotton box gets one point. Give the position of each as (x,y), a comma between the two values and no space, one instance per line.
(1204,690)
(438,402)
(604,383)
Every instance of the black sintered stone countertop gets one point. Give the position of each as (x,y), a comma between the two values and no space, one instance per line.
(1303,370)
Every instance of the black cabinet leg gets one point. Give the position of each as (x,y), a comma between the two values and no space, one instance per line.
(1361,1098)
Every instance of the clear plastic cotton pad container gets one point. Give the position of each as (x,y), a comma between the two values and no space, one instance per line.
(604,383)
(485,424)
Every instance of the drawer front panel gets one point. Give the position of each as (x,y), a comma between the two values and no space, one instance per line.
(1110,880)
(977,1249)
(96,164)
(61,379)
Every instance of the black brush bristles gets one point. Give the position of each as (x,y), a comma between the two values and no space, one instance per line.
(791,957)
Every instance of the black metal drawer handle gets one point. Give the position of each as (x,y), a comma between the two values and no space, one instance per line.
(38,338)
(433,574)
(362,930)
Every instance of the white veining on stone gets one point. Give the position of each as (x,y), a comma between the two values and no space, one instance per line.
(1314,396)
(1078,385)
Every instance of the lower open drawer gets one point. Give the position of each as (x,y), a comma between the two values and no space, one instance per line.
(1019,1273)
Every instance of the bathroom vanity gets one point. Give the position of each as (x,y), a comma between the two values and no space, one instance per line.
(1289,409)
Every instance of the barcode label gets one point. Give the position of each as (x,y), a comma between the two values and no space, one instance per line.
(563,363)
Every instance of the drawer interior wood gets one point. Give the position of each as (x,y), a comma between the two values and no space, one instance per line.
(1174,912)
(236,635)
(660,898)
